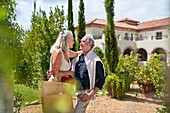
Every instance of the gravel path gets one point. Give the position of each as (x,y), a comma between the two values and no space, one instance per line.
(105,104)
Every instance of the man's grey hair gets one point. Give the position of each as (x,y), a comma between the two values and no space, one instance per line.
(90,40)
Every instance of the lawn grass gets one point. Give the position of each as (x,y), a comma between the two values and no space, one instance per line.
(30,95)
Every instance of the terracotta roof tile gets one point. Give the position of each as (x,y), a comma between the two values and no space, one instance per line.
(154,23)
(143,25)
(128,19)
(104,22)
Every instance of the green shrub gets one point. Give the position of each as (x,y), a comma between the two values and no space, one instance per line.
(153,72)
(128,65)
(99,52)
(106,68)
(119,83)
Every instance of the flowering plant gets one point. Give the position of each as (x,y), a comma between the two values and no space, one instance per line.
(128,65)
(153,71)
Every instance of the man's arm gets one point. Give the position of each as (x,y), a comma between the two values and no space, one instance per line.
(88,96)
(100,80)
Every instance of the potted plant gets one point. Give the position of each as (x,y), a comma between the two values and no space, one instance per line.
(150,75)
(118,84)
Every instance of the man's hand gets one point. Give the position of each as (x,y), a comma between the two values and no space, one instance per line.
(86,97)
(49,73)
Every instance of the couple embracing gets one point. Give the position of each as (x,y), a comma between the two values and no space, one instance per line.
(86,69)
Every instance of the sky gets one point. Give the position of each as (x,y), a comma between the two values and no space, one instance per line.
(140,10)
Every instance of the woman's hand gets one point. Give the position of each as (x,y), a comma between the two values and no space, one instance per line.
(49,73)
(73,54)
(71,73)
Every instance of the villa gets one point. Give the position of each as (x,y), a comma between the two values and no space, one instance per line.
(144,38)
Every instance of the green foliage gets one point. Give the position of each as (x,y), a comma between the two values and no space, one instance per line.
(111,50)
(38,40)
(10,40)
(70,21)
(153,71)
(119,83)
(81,24)
(99,52)
(26,94)
(18,101)
(164,93)
(105,66)
(128,65)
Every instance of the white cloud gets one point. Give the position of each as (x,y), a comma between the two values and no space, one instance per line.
(24,11)
(141,10)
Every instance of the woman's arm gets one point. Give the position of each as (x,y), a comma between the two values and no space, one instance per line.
(73,54)
(56,63)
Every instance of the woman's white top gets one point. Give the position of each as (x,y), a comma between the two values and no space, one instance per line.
(65,66)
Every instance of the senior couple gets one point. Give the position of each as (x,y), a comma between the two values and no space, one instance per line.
(87,68)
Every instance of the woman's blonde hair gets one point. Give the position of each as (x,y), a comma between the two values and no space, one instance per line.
(62,42)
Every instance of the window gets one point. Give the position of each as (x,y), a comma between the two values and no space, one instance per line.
(126,36)
(158,35)
(131,38)
(151,37)
(97,37)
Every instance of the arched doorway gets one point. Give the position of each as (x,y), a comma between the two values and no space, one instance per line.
(127,52)
(142,54)
(161,51)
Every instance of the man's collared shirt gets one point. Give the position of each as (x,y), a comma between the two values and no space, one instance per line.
(81,74)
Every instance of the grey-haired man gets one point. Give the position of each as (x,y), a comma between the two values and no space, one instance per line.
(89,72)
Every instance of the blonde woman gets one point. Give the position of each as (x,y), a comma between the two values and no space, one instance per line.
(60,64)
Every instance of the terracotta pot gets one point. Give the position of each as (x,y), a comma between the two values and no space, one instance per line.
(148,87)
(109,90)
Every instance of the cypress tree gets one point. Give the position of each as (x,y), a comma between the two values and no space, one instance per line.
(111,50)
(70,21)
(81,24)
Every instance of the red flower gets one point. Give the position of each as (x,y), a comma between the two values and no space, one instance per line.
(161,75)
(156,61)
(163,55)
(139,58)
(161,63)
(140,54)
(151,56)
(138,71)
(138,62)
(152,64)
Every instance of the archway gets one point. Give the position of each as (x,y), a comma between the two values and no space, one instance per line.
(127,52)
(142,54)
(161,51)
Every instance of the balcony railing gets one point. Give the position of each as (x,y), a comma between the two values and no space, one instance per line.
(141,38)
